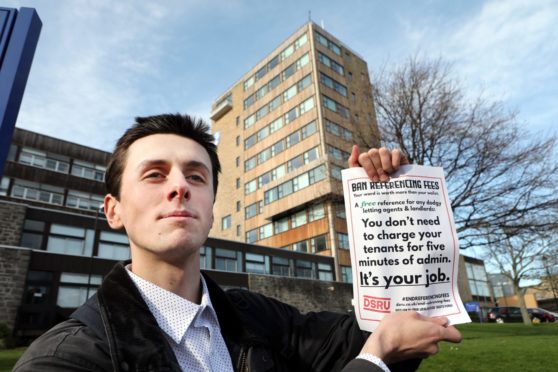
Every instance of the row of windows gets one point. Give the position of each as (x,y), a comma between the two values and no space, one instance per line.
(312,245)
(298,183)
(75,241)
(54,195)
(335,107)
(276,102)
(61,164)
(338,130)
(337,153)
(314,213)
(229,260)
(333,84)
(280,146)
(328,43)
(285,53)
(325,60)
(273,83)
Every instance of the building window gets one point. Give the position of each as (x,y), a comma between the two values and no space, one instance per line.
(298,219)
(237,120)
(205,257)
(226,260)
(74,289)
(343,240)
(325,272)
(301,246)
(298,183)
(340,211)
(39,192)
(40,159)
(32,236)
(226,222)
(335,107)
(237,161)
(346,274)
(316,212)
(281,225)
(318,243)
(280,266)
(304,269)
(250,187)
(4,185)
(70,240)
(113,246)
(256,263)
(238,230)
(238,183)
(88,170)
(83,200)
(336,172)
(325,60)
(238,206)
(338,130)
(238,140)
(333,84)
(266,231)
(252,236)
(328,43)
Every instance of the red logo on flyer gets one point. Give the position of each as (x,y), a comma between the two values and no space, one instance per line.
(377,304)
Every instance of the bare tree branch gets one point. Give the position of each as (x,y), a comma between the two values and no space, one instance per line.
(498,178)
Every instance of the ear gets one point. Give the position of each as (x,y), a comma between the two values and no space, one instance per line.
(112,212)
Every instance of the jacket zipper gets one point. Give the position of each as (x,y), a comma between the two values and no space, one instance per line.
(243,366)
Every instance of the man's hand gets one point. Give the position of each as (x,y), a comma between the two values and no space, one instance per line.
(378,163)
(406,335)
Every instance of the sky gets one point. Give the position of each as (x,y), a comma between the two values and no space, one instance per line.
(101,63)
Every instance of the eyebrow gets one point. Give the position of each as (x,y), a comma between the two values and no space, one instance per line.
(160,162)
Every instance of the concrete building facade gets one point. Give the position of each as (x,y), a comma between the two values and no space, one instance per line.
(285,131)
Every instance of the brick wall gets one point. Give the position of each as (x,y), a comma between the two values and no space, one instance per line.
(306,295)
(12,216)
(13,270)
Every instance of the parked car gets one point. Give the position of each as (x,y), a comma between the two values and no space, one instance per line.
(541,315)
(504,314)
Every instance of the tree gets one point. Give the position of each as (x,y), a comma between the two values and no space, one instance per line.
(499,179)
(518,257)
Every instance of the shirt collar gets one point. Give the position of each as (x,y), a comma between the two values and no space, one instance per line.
(173,313)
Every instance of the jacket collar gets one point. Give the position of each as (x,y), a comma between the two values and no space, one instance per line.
(132,333)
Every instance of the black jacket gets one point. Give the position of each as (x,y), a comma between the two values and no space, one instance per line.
(115,331)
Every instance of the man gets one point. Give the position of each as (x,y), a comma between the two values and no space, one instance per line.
(158,313)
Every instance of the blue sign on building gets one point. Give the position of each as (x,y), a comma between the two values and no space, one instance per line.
(19,34)
(472,307)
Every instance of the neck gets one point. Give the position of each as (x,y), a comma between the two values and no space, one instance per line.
(181,277)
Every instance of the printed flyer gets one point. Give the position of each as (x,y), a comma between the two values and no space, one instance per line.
(403,244)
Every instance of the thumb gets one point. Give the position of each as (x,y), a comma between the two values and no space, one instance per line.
(353,159)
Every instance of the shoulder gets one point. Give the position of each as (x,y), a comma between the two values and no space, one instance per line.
(68,346)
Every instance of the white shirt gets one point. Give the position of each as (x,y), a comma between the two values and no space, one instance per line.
(192,330)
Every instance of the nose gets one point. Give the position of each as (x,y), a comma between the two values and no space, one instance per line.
(178,187)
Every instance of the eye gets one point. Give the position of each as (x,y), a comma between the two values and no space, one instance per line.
(154,175)
(196,178)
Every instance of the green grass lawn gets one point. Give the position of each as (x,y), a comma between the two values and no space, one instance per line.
(499,347)
(485,347)
(9,357)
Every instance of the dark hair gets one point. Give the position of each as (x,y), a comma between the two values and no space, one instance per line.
(183,125)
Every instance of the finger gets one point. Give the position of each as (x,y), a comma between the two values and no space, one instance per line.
(366,162)
(441,320)
(451,334)
(374,155)
(353,159)
(397,159)
(385,157)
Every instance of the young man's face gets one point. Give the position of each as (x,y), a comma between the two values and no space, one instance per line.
(166,196)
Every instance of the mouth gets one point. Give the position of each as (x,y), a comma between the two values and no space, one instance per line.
(179,214)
